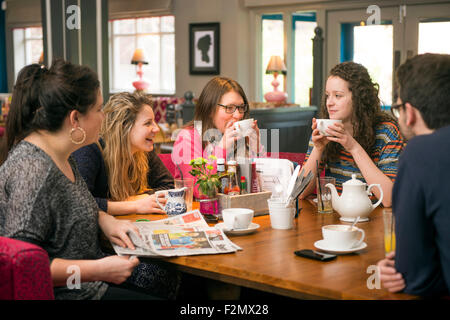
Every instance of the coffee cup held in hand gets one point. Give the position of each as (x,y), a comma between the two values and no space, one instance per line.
(338,236)
(243,127)
(323,124)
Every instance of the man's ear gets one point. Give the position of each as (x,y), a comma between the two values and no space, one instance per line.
(410,113)
(73,118)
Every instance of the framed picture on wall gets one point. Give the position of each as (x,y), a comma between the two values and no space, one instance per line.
(204,48)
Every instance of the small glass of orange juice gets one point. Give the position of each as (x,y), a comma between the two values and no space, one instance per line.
(389,230)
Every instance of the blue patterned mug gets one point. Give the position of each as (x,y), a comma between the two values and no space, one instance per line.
(175,201)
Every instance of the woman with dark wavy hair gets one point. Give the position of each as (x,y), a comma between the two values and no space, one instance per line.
(367,142)
(43,198)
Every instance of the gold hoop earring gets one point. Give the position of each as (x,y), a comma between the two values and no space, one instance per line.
(82,131)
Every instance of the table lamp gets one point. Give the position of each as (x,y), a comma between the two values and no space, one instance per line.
(41,58)
(138,58)
(275,66)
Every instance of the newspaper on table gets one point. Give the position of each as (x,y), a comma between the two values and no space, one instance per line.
(181,235)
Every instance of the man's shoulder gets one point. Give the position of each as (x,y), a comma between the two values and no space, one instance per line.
(428,146)
(437,137)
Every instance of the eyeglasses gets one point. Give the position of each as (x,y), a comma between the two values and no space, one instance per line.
(231,108)
(395,109)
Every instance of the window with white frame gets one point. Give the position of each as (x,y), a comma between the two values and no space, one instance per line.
(301,65)
(28,47)
(156,37)
(272,45)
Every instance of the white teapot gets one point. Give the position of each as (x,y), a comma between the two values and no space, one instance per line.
(354,200)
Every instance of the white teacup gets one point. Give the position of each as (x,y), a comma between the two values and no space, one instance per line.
(323,124)
(280,216)
(339,236)
(243,126)
(237,218)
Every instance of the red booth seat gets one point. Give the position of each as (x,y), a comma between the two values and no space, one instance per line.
(24,271)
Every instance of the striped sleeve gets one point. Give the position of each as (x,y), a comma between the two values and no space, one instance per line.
(388,146)
(310,147)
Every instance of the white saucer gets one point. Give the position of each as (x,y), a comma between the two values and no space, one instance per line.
(353,219)
(252,228)
(321,244)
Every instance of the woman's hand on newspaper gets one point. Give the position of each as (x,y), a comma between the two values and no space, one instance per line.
(115,269)
(148,204)
(116,230)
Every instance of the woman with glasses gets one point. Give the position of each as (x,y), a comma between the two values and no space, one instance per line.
(212,132)
(367,142)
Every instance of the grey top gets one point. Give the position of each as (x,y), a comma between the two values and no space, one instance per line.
(39,204)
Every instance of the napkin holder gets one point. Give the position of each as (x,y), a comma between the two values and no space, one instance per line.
(255,201)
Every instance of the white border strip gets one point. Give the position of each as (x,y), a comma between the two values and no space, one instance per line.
(80,57)
(99,41)
(49,33)
(64,21)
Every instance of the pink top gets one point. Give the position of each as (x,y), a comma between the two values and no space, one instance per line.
(188,146)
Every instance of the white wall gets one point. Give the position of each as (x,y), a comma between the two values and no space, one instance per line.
(234,42)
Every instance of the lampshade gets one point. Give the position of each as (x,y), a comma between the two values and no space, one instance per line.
(276,65)
(41,58)
(138,57)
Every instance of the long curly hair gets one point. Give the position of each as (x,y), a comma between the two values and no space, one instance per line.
(366,108)
(127,172)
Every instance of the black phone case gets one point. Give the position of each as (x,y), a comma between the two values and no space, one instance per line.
(315,255)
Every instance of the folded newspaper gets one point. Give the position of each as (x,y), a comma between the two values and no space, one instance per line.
(181,235)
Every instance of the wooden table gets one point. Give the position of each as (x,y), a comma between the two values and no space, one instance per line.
(267,261)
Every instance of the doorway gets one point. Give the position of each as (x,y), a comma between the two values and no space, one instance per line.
(400,32)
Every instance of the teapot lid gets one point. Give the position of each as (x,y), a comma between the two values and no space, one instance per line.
(353,181)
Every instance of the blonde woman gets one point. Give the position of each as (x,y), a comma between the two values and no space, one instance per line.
(123,164)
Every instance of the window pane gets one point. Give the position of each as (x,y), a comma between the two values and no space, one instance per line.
(272,44)
(148,25)
(19,50)
(124,71)
(304,33)
(430,37)
(168,63)
(33,32)
(34,50)
(168,24)
(28,46)
(373,47)
(124,26)
(159,52)
(151,46)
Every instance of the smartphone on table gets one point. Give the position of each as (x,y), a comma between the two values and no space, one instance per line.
(307,253)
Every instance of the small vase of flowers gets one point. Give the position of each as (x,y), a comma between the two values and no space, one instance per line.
(208,182)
